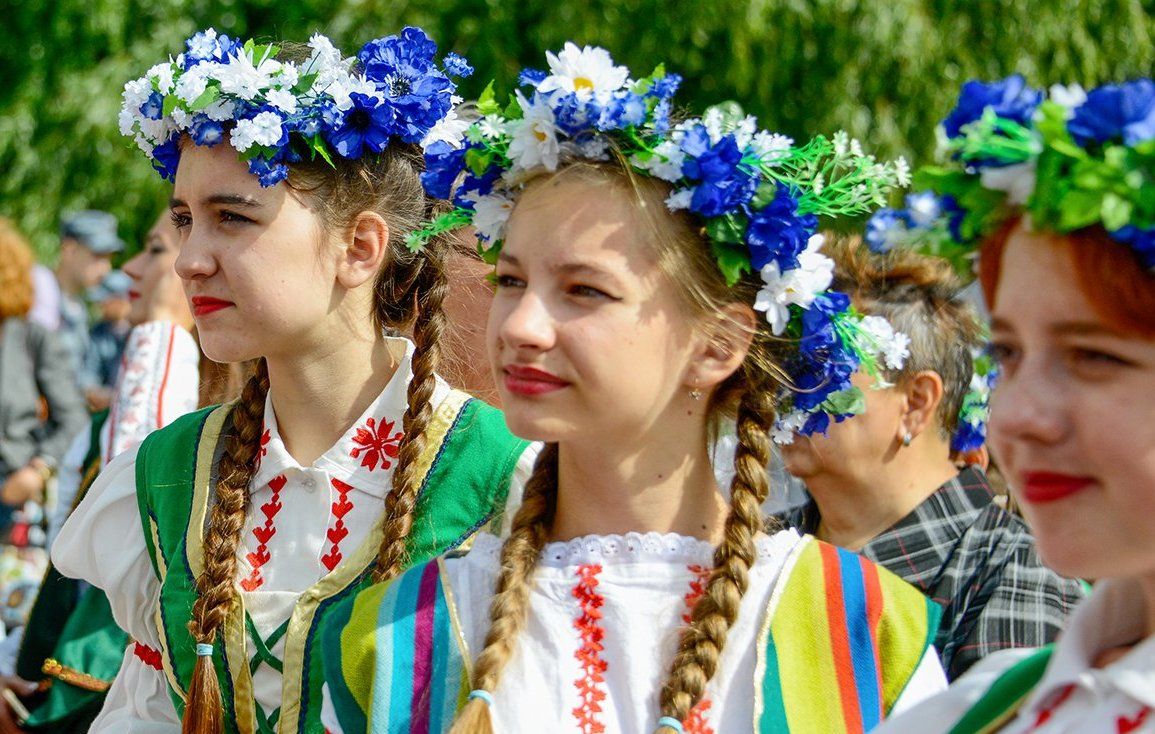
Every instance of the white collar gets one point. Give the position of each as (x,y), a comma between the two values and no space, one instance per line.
(1113,615)
(366,454)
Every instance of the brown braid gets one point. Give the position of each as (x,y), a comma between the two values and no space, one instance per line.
(509,607)
(431,288)
(216,586)
(715,612)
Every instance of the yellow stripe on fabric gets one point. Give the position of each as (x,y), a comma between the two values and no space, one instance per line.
(903,634)
(236,649)
(358,650)
(346,573)
(455,622)
(801,635)
(761,642)
(158,618)
(202,479)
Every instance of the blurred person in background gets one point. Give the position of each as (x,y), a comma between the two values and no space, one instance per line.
(71,644)
(33,368)
(88,240)
(107,337)
(464,362)
(887,485)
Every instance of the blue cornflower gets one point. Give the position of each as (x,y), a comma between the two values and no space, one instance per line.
(572,115)
(623,109)
(665,87)
(153,107)
(268,172)
(404,69)
(166,157)
(206,131)
(815,423)
(968,436)
(1116,111)
(531,77)
(885,229)
(457,65)
(1010,98)
(1142,241)
(777,233)
(955,215)
(443,164)
(660,118)
(366,127)
(724,184)
(473,185)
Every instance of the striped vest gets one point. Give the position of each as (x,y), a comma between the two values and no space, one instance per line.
(464,474)
(840,640)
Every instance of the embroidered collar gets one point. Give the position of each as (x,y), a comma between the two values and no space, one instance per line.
(1113,615)
(366,454)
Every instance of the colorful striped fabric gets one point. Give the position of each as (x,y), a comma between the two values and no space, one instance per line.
(843,639)
(398,666)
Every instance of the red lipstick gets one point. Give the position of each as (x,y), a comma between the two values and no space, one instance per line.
(1043,486)
(133,295)
(204,305)
(529,381)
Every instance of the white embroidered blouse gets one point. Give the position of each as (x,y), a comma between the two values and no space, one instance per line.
(302,521)
(605,616)
(1073,697)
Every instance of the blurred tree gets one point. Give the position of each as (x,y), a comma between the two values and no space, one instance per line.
(885,71)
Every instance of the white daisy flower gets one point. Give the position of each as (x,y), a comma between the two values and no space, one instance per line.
(490,213)
(586,71)
(798,286)
(450,129)
(243,78)
(283,100)
(534,138)
(342,89)
(893,346)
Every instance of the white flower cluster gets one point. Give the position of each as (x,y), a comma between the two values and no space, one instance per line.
(796,287)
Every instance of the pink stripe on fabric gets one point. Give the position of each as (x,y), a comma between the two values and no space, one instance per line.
(423,650)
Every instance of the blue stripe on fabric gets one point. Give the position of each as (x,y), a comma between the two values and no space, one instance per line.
(442,698)
(862,654)
(393,683)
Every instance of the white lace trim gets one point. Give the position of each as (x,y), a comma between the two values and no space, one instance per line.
(632,548)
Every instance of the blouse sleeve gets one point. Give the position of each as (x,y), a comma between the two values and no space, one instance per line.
(103,544)
(138,702)
(159,382)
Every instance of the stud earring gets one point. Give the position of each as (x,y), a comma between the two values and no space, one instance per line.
(695,394)
(907,439)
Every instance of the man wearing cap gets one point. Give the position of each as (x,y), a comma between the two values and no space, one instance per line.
(106,338)
(88,240)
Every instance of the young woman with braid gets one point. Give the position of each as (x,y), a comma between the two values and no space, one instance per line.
(630,596)
(224,541)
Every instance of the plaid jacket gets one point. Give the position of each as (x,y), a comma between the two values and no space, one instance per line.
(976,560)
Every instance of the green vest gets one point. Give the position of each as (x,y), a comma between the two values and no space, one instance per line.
(71,640)
(464,474)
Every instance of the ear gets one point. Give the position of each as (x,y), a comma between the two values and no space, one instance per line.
(364,251)
(924,392)
(723,348)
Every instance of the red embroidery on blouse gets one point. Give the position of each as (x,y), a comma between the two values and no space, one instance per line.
(378,445)
(696,722)
(150,656)
(263,533)
(697,588)
(1057,700)
(593,665)
(338,532)
(265,438)
(1124,724)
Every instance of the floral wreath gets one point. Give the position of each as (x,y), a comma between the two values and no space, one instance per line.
(280,112)
(757,194)
(1068,158)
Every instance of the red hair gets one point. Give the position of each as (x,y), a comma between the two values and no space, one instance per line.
(1120,290)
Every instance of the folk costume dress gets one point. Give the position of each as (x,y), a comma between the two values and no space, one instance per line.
(824,641)
(310,540)
(1056,689)
(71,641)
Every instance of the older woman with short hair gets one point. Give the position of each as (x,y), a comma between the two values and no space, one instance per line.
(886,484)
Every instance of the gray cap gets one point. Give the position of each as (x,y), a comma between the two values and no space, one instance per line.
(95,230)
(114,285)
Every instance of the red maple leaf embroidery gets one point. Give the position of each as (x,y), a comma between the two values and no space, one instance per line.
(376,444)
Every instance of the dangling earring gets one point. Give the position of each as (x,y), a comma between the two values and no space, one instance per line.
(907,439)
(695,394)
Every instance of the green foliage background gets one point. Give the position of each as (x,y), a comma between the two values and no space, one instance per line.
(886,70)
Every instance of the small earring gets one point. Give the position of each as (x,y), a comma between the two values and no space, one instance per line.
(695,394)
(907,439)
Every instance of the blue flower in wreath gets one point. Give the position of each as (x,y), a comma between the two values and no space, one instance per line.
(404,67)
(153,107)
(968,437)
(1116,112)
(443,164)
(1011,99)
(166,157)
(269,173)
(206,131)
(724,184)
(366,126)
(777,233)
(885,228)
(457,65)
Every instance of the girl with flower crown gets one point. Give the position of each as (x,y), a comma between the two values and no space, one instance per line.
(630,596)
(1058,192)
(224,541)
